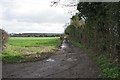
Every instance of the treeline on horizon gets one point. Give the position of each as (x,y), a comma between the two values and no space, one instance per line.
(101,28)
(35,35)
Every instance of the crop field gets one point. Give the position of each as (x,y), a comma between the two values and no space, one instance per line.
(20,49)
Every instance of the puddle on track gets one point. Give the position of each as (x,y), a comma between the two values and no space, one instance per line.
(71,53)
(71,59)
(63,46)
(50,60)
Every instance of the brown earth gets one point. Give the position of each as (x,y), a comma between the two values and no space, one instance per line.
(68,62)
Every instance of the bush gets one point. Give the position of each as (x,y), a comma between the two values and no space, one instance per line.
(3,39)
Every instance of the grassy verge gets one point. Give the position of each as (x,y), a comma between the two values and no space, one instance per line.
(22,49)
(107,68)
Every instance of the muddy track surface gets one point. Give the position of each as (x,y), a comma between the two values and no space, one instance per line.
(68,62)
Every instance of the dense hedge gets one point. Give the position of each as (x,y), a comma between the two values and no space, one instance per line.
(3,39)
(101,30)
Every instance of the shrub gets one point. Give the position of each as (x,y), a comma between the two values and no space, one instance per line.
(3,39)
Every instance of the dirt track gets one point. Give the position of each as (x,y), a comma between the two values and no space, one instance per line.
(68,62)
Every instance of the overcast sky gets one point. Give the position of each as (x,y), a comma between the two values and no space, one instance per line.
(17,16)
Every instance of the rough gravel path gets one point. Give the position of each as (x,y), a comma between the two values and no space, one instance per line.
(68,62)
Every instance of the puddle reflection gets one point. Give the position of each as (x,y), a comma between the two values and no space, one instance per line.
(50,60)
(71,59)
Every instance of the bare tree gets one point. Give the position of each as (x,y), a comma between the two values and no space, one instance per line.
(70,5)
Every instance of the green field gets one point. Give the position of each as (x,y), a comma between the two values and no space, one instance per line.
(20,49)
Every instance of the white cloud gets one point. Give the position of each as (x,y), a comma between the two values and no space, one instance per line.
(23,27)
(32,16)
